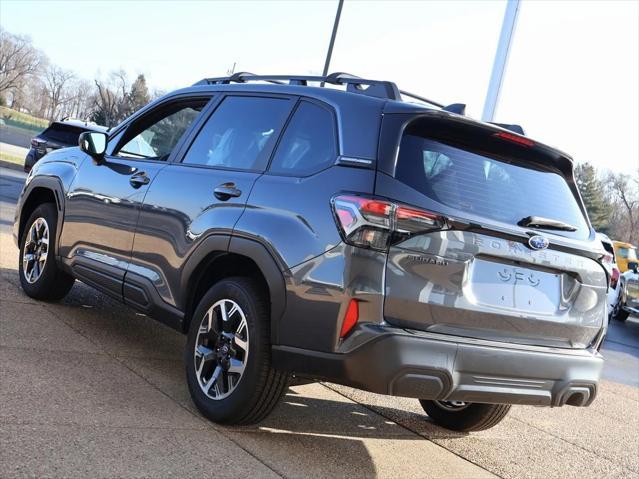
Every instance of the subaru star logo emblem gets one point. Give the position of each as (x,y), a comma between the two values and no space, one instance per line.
(538,242)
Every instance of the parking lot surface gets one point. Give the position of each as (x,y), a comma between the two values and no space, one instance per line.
(90,388)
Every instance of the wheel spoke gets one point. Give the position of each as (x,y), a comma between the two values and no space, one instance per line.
(225,316)
(228,323)
(205,353)
(213,380)
(236,366)
(240,343)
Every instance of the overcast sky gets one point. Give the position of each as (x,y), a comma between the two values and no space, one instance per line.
(572,80)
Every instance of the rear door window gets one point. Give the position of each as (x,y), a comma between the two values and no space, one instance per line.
(474,183)
(240,134)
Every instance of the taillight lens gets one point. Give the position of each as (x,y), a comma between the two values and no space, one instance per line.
(614,278)
(373,223)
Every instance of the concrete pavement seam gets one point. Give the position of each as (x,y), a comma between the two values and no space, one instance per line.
(373,410)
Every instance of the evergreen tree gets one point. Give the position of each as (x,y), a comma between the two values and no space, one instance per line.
(592,191)
(139,94)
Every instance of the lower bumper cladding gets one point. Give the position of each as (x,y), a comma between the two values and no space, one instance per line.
(409,365)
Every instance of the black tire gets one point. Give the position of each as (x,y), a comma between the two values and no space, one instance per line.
(471,417)
(618,313)
(52,283)
(260,386)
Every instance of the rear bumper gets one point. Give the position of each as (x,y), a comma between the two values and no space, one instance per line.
(413,365)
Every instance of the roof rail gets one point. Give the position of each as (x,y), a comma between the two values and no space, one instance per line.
(354,84)
(376,88)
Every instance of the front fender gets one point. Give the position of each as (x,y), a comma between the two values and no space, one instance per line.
(56,175)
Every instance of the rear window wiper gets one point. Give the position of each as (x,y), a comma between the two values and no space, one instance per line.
(545,223)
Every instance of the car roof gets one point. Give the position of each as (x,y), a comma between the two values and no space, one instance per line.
(604,237)
(623,244)
(359,109)
(85,125)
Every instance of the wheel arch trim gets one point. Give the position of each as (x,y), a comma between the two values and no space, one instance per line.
(50,183)
(252,249)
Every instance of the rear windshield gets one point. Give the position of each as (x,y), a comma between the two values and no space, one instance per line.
(628,253)
(480,185)
(64,134)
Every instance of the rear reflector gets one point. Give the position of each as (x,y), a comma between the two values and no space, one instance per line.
(520,140)
(614,279)
(350,319)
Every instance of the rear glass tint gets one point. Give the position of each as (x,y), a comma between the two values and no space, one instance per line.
(628,253)
(64,134)
(480,185)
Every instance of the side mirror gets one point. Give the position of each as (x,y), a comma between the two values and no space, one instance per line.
(93,143)
(633,265)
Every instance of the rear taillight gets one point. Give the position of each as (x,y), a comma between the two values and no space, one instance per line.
(374,223)
(37,143)
(614,278)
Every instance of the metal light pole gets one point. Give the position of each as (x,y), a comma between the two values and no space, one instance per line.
(329,54)
(501,59)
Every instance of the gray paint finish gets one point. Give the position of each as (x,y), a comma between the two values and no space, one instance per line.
(427,317)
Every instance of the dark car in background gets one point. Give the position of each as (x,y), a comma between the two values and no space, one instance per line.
(59,134)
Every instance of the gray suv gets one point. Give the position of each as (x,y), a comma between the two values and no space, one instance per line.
(347,232)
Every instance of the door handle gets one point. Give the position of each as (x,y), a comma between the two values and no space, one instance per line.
(139,179)
(226,191)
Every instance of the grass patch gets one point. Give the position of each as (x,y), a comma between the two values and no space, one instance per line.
(4,156)
(22,120)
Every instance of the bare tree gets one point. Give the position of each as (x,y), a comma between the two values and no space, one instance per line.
(81,104)
(56,82)
(18,60)
(624,192)
(111,99)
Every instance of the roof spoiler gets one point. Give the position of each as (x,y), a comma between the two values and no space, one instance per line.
(514,128)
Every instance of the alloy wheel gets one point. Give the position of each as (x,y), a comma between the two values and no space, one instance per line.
(221,349)
(452,405)
(35,251)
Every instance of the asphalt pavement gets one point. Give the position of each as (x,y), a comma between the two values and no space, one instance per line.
(90,388)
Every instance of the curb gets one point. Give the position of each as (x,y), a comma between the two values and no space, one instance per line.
(11,166)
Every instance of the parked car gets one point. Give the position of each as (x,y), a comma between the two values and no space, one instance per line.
(628,301)
(334,234)
(59,134)
(610,264)
(624,252)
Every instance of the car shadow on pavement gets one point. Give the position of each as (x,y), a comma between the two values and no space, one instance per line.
(314,431)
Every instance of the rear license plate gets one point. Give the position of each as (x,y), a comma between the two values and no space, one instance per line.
(512,287)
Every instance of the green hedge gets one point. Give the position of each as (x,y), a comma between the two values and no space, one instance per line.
(22,120)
